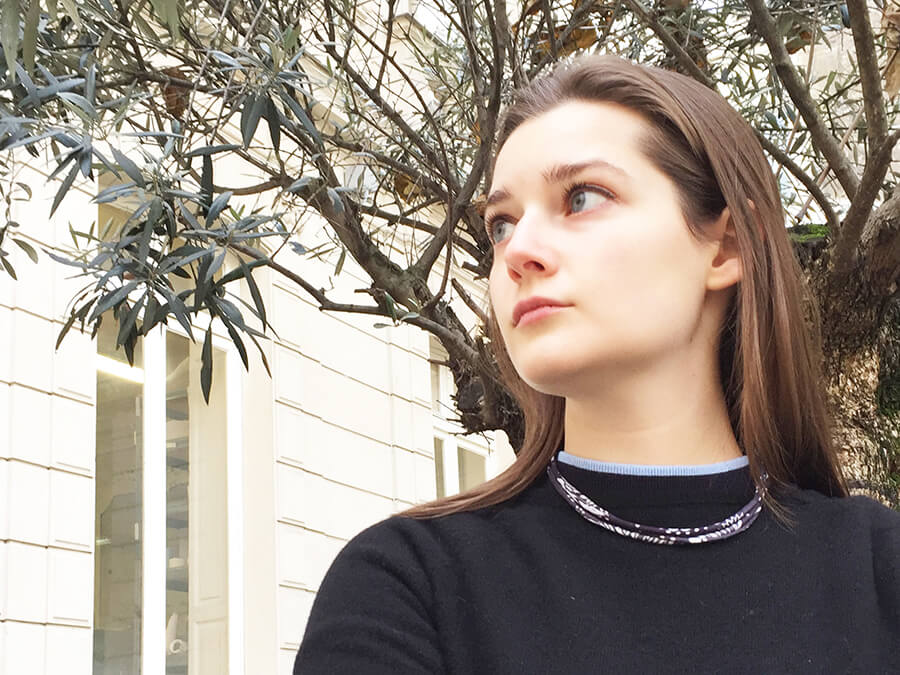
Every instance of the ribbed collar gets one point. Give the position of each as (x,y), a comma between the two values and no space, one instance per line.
(652,469)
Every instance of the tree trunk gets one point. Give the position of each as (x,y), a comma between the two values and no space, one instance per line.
(861,345)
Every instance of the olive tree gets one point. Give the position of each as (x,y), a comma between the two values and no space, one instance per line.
(375,121)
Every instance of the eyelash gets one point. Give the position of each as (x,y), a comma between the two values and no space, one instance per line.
(568,191)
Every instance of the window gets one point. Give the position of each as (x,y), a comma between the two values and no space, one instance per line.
(119,503)
(442,385)
(471,469)
(161,561)
(460,463)
(458,466)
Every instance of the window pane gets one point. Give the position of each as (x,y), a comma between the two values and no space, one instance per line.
(196,528)
(439,466)
(435,389)
(118,507)
(471,469)
(177,511)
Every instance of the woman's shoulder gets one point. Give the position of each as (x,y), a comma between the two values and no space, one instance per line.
(854,518)
(431,539)
(856,507)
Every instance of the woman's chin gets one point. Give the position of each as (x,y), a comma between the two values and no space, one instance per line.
(547,374)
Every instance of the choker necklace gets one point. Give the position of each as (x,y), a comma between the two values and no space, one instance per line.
(724,529)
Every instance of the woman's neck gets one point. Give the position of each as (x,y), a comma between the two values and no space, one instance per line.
(663,419)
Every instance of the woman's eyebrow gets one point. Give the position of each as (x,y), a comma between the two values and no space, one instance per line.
(558,173)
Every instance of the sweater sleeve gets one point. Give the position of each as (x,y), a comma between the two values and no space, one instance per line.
(372,613)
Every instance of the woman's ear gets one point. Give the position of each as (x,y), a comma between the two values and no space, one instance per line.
(725,268)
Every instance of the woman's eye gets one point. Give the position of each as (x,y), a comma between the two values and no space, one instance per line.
(578,198)
(493,226)
(584,198)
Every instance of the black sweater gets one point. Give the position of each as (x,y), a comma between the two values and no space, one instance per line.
(529,586)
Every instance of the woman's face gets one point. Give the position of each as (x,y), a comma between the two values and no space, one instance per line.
(581,216)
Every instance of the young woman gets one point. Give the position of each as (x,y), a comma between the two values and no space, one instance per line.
(677,505)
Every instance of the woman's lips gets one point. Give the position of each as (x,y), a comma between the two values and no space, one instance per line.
(538,314)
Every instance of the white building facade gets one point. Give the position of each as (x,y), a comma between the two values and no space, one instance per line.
(143,531)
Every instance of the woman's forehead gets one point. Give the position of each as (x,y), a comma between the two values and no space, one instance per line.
(573,135)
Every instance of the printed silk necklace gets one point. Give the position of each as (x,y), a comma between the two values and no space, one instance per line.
(723,529)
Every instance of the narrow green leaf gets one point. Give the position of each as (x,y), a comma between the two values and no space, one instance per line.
(230,310)
(211,150)
(206,364)
(254,293)
(301,115)
(253,109)
(65,329)
(390,305)
(28,248)
(336,201)
(238,273)
(112,298)
(79,101)
(144,241)
(214,266)
(127,320)
(262,355)
(340,262)
(298,184)
(179,311)
(150,313)
(218,204)
(9,269)
(206,185)
(64,189)
(29,36)
(9,34)
(274,120)
(90,83)
(129,167)
(129,345)
(236,339)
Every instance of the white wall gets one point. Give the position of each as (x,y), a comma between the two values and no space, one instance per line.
(46,461)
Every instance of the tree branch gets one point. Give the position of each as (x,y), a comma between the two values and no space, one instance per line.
(774,151)
(845,247)
(870,75)
(501,35)
(548,20)
(440,162)
(787,73)
(463,198)
(417,225)
(881,238)
(470,303)
(576,20)
(446,335)
(815,190)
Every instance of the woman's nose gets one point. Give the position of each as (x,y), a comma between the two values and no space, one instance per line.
(528,249)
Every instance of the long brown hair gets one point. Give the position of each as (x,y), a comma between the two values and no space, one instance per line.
(770,340)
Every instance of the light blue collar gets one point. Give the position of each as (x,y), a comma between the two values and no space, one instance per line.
(653,469)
